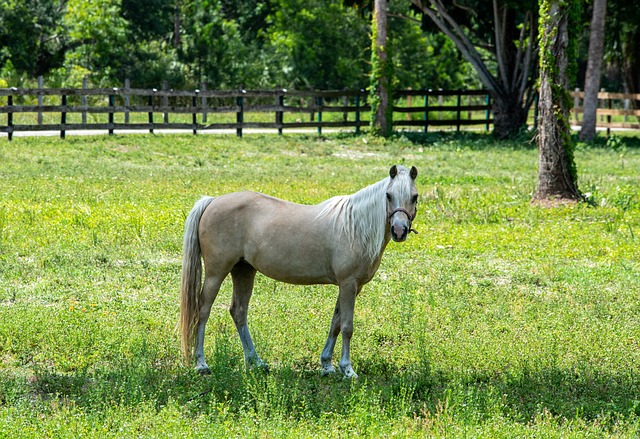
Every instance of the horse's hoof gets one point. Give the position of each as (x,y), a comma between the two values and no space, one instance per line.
(259,366)
(204,370)
(328,369)
(348,373)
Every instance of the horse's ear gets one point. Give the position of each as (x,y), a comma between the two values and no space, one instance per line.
(413,173)
(393,172)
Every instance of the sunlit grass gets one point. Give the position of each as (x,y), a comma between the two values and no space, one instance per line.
(499,319)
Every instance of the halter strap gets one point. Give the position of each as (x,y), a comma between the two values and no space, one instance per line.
(406,212)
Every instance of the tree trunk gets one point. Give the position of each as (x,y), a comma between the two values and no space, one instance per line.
(380,72)
(176,24)
(509,116)
(556,168)
(631,63)
(594,68)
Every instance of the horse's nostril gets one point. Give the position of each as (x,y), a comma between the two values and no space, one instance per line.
(399,232)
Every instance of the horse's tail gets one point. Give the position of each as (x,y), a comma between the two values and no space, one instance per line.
(191,290)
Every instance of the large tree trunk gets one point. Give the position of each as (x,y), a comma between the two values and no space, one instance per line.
(594,68)
(631,63)
(509,115)
(380,72)
(556,169)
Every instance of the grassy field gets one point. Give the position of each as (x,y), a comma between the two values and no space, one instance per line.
(500,319)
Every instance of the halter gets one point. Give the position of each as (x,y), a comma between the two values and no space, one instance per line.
(406,212)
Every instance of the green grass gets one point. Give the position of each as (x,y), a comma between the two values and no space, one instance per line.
(500,319)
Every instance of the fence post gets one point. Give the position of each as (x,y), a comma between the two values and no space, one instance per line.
(112,103)
(279,105)
(487,113)
(602,90)
(165,102)
(204,103)
(458,113)
(40,98)
(319,102)
(426,112)
(83,100)
(626,108)
(358,112)
(576,104)
(609,106)
(194,107)
(63,117)
(127,100)
(150,100)
(240,114)
(10,115)
(345,114)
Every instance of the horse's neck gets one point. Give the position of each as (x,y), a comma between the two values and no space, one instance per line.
(367,211)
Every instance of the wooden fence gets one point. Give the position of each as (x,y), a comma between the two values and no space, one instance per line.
(615,110)
(111,109)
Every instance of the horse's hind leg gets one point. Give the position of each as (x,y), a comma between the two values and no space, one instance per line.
(209,292)
(327,351)
(243,276)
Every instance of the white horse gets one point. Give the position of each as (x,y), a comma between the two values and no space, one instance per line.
(339,241)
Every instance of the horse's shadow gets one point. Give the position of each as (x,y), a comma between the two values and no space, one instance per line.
(521,395)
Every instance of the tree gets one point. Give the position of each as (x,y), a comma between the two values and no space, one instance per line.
(317,45)
(32,37)
(381,74)
(557,175)
(511,26)
(97,35)
(594,68)
(622,48)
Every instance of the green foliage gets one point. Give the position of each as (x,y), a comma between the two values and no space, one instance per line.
(31,35)
(317,45)
(226,43)
(500,319)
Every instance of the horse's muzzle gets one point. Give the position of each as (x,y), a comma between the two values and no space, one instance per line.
(400,229)
(399,232)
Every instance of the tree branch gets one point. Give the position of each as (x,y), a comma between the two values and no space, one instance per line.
(453,30)
(499,35)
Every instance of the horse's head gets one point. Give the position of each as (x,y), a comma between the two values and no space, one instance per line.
(402,200)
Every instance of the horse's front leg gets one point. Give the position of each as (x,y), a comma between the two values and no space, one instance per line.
(342,322)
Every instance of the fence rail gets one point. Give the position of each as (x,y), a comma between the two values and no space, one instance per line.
(111,109)
(614,110)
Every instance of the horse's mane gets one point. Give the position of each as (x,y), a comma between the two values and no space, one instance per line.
(360,217)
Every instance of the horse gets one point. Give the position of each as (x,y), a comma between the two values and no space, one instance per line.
(339,241)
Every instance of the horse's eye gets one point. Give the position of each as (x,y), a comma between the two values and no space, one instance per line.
(414,199)
(388,196)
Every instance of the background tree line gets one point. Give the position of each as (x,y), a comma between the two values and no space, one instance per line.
(226,43)
(324,44)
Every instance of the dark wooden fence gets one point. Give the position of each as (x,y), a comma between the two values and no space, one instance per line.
(111,109)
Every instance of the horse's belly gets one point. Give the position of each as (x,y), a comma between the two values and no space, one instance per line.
(292,265)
